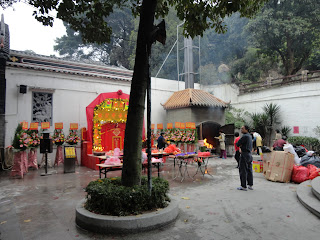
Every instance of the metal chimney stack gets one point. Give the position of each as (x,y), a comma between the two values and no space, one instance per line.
(188,63)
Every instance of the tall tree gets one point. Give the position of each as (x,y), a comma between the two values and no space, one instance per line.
(224,48)
(71,46)
(160,52)
(116,52)
(87,17)
(289,29)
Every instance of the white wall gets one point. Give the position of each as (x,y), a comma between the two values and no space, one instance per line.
(300,103)
(71,95)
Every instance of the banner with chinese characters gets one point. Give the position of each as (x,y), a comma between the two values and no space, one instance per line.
(169,125)
(182,126)
(177,124)
(70,152)
(34,126)
(74,126)
(58,125)
(24,125)
(45,125)
(159,126)
(193,125)
(152,126)
(188,124)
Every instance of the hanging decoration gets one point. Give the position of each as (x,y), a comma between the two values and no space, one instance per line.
(111,110)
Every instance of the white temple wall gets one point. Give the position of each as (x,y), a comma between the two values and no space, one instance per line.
(299,103)
(71,95)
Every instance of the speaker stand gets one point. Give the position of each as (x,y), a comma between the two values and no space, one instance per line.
(46,173)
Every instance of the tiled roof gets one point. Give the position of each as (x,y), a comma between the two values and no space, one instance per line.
(54,64)
(193,97)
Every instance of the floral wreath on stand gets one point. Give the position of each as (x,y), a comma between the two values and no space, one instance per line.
(73,137)
(34,139)
(58,137)
(21,140)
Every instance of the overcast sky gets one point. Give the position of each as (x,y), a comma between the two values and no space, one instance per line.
(26,33)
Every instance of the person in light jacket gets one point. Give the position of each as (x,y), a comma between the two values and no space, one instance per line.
(258,139)
(222,139)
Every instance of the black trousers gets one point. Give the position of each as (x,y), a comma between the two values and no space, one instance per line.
(237,157)
(245,169)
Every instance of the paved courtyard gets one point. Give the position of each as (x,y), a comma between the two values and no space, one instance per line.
(43,208)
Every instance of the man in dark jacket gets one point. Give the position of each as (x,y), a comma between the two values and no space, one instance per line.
(161,141)
(245,166)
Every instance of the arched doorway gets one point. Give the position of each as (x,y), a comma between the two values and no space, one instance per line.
(209,129)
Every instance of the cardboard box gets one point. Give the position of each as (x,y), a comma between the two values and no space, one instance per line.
(266,159)
(279,167)
(257,166)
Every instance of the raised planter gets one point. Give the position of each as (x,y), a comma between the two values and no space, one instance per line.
(129,224)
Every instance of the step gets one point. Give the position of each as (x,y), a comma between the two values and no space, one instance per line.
(315,183)
(307,198)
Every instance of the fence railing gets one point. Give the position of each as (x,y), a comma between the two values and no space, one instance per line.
(269,82)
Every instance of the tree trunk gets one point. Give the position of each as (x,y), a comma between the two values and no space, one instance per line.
(290,56)
(131,171)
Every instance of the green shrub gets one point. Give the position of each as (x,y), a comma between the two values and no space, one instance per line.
(285,131)
(309,142)
(109,197)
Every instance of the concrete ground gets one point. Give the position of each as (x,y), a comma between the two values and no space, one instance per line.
(43,208)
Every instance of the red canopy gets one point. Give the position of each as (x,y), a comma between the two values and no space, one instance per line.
(90,109)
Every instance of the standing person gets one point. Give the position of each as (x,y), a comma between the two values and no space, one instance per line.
(236,148)
(222,139)
(258,139)
(245,167)
(278,135)
(161,141)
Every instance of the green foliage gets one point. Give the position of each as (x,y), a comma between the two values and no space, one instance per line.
(288,29)
(117,52)
(265,123)
(224,48)
(285,131)
(313,62)
(21,140)
(236,116)
(272,110)
(88,17)
(16,138)
(258,123)
(252,66)
(159,51)
(109,197)
(309,142)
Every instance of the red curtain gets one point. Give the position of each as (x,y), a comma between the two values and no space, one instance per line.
(112,135)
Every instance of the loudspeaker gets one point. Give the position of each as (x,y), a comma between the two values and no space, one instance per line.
(23,89)
(46,146)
